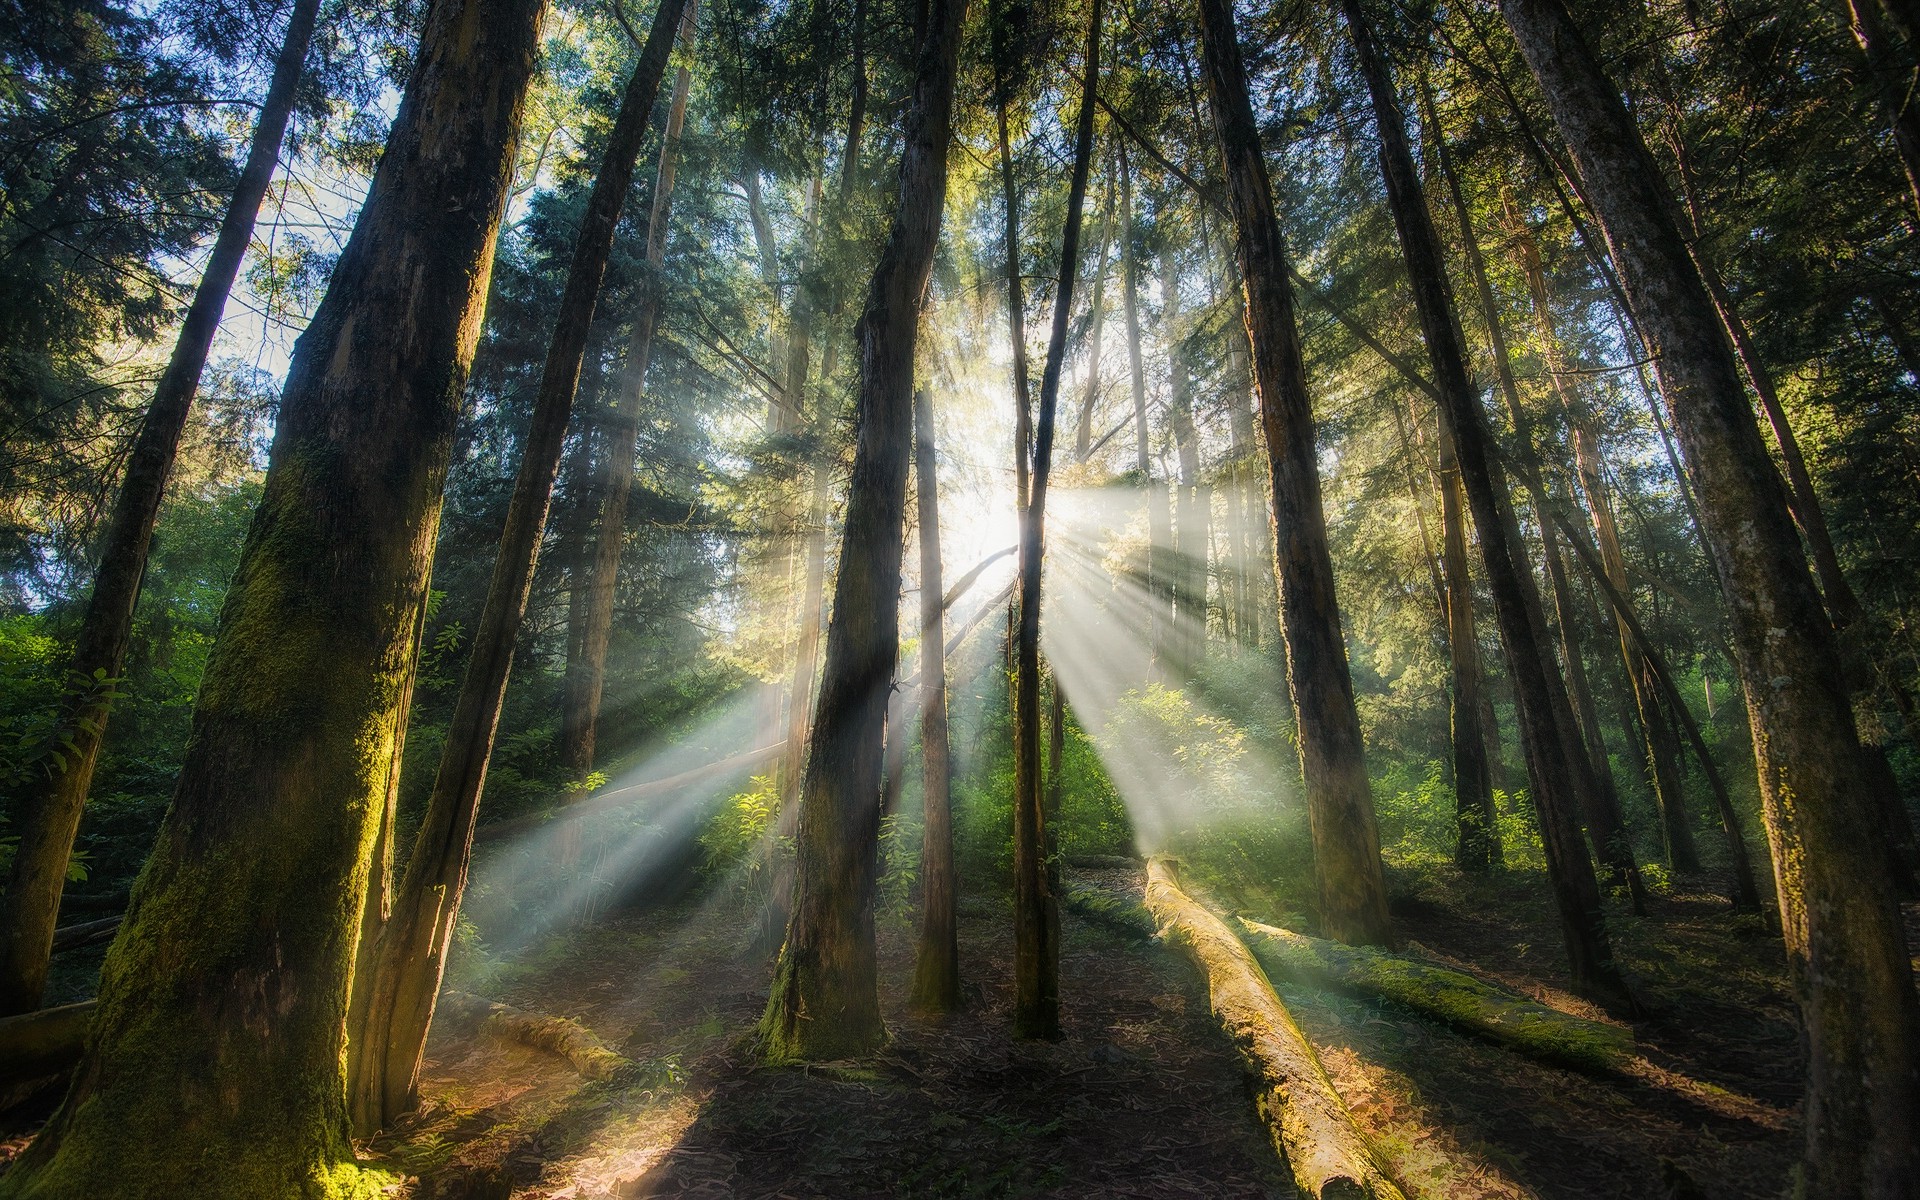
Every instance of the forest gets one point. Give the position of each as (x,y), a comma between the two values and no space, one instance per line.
(856,598)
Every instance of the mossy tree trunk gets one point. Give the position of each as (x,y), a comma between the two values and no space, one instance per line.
(1552,753)
(825,997)
(1346,838)
(51,812)
(215,1066)
(1845,943)
(398,980)
(936,972)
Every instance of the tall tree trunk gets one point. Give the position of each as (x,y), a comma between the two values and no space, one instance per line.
(1552,756)
(587,687)
(1083,429)
(398,980)
(825,1000)
(1346,838)
(1892,84)
(1844,938)
(1016,294)
(1036,914)
(1746,890)
(1600,800)
(1478,845)
(218,1038)
(52,806)
(1189,533)
(936,969)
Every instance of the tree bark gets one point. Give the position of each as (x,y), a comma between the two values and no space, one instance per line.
(1036,912)
(1845,943)
(52,805)
(219,1034)
(825,998)
(1346,838)
(1478,845)
(1328,1155)
(398,980)
(936,970)
(586,685)
(1552,754)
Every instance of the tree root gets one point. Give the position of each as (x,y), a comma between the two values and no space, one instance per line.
(1454,998)
(1329,1156)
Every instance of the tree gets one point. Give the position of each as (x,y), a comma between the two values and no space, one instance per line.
(1552,752)
(404,956)
(1843,932)
(936,971)
(1346,840)
(219,1033)
(824,1002)
(1036,915)
(100,651)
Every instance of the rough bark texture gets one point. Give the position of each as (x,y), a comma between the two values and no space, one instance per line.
(400,969)
(1036,912)
(1454,998)
(216,1062)
(51,812)
(1845,945)
(1328,1155)
(1551,753)
(587,674)
(936,971)
(1346,839)
(825,999)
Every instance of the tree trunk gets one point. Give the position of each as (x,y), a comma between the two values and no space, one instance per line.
(1845,943)
(398,979)
(936,969)
(1746,891)
(1478,845)
(1546,737)
(1329,1157)
(1189,532)
(587,685)
(1593,772)
(219,1034)
(825,1000)
(1016,296)
(1036,913)
(1346,839)
(1891,83)
(52,807)
(1083,430)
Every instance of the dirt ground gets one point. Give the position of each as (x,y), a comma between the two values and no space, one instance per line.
(1142,1097)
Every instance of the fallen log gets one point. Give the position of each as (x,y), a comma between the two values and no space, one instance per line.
(1454,998)
(1122,914)
(563,1036)
(1329,1156)
(70,937)
(38,1044)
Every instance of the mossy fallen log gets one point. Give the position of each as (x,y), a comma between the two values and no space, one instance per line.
(1122,914)
(1329,1156)
(38,1044)
(1454,998)
(556,1035)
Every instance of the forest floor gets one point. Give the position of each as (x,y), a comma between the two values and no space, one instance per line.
(1143,1097)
